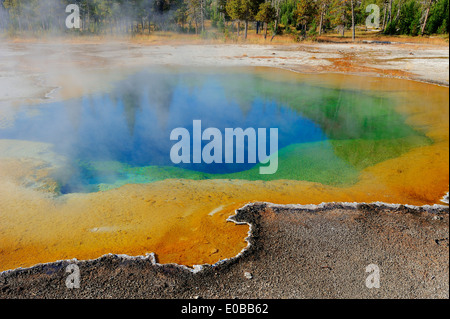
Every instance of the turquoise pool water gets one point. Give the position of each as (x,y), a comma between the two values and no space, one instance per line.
(122,136)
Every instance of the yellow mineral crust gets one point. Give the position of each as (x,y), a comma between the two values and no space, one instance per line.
(184,221)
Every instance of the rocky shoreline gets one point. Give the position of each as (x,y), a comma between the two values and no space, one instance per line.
(321,252)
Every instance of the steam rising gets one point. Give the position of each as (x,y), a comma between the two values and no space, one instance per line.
(105,17)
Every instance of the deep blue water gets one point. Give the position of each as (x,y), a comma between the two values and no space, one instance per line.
(132,123)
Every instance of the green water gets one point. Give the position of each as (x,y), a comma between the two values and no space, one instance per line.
(327,135)
(362,128)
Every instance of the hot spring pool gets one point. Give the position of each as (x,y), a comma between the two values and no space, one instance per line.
(92,175)
(325,135)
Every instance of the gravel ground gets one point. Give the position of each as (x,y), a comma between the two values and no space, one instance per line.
(294,252)
(32,71)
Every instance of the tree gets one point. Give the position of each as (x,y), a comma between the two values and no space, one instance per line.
(266,14)
(323,8)
(438,18)
(409,17)
(353,21)
(426,16)
(196,13)
(14,8)
(234,11)
(305,12)
(243,10)
(340,11)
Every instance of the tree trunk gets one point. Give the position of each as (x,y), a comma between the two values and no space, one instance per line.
(265,30)
(239,29)
(321,20)
(246,29)
(384,18)
(277,7)
(202,15)
(390,12)
(353,23)
(276,25)
(88,21)
(426,18)
(398,11)
(275,30)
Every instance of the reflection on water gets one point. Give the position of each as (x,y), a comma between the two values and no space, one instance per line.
(122,136)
